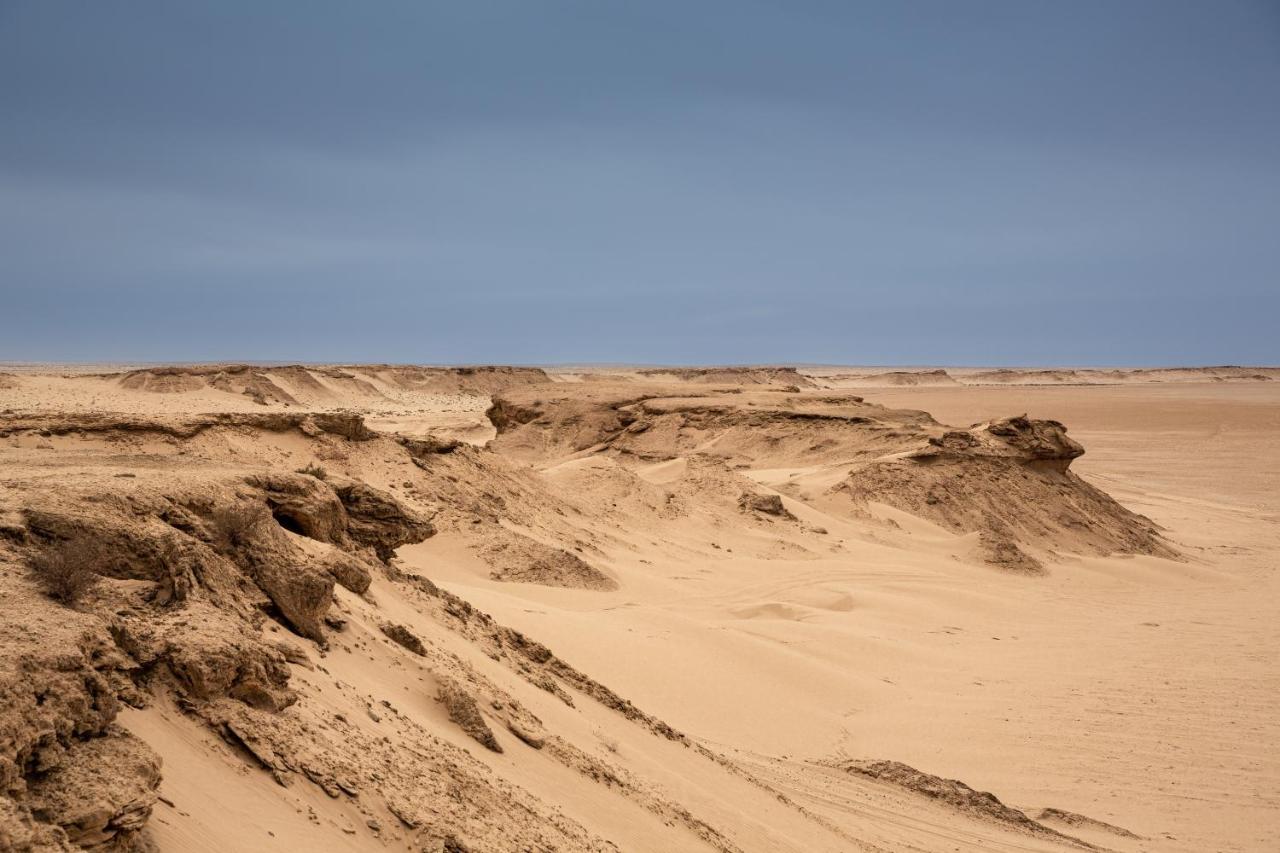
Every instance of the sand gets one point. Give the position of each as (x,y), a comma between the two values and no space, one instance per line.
(736,637)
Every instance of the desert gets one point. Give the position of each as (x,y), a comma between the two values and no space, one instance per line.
(367,607)
(662,427)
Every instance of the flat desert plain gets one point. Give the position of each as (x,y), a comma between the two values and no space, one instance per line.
(368,607)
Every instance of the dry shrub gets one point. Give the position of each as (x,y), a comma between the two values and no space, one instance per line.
(314,470)
(68,570)
(607,741)
(233,525)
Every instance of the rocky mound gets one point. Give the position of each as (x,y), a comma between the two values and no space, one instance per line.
(762,429)
(254,382)
(1026,377)
(316,385)
(481,380)
(785,376)
(908,378)
(1008,481)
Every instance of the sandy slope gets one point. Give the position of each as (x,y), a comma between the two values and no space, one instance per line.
(1137,690)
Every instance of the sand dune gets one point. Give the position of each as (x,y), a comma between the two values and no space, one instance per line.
(373,607)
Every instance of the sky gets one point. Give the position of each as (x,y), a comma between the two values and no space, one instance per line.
(814,181)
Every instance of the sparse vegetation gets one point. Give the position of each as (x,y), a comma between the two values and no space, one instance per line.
(609,743)
(232,525)
(314,470)
(68,570)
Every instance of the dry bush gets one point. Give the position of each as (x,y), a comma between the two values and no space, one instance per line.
(68,570)
(314,470)
(233,525)
(608,742)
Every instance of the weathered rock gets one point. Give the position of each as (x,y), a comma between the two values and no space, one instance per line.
(1009,481)
(209,655)
(304,505)
(302,594)
(59,681)
(51,697)
(348,570)
(404,637)
(346,425)
(464,711)
(22,833)
(376,519)
(766,504)
(102,793)
(424,448)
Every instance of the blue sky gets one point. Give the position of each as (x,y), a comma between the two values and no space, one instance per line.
(979,182)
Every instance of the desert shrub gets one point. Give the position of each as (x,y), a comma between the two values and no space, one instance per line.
(233,525)
(68,570)
(314,470)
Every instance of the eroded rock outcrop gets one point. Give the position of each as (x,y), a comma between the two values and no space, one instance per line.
(205,655)
(1008,481)
(784,376)
(464,711)
(192,568)
(101,793)
(378,520)
(67,775)
(750,428)
(770,505)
